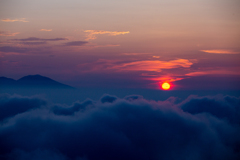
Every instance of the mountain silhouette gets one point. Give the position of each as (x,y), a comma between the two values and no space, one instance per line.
(32,81)
(4,81)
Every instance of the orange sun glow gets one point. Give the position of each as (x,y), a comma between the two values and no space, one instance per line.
(166,86)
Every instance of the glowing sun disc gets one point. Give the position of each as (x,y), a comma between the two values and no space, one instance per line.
(165,86)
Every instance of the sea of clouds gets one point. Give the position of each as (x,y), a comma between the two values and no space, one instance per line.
(131,128)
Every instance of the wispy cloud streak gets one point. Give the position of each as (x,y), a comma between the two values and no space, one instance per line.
(76,43)
(14,20)
(46,30)
(39,39)
(213,72)
(34,43)
(220,51)
(145,66)
(3,33)
(92,33)
(153,65)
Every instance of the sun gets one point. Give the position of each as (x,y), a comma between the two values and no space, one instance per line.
(166,86)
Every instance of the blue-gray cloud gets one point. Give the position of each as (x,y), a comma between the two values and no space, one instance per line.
(76,43)
(76,107)
(227,107)
(39,39)
(8,49)
(34,43)
(13,105)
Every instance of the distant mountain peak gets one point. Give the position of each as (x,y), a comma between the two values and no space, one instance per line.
(32,81)
(35,77)
(5,78)
(4,81)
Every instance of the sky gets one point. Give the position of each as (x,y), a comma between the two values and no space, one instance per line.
(116,55)
(123,44)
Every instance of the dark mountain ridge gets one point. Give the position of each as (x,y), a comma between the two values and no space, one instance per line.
(31,81)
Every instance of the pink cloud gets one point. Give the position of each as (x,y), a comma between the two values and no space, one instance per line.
(220,51)
(3,33)
(14,20)
(46,30)
(92,33)
(144,66)
(153,65)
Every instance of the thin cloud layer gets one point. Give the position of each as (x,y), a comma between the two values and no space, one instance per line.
(39,39)
(199,128)
(155,71)
(16,44)
(46,30)
(153,65)
(92,33)
(220,51)
(150,65)
(213,72)
(14,20)
(27,49)
(76,43)
(34,43)
(8,49)
(3,33)
(210,82)
(134,54)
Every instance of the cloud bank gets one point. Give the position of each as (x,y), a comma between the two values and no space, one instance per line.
(198,128)
(8,105)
